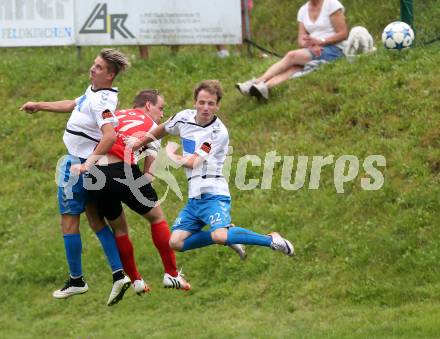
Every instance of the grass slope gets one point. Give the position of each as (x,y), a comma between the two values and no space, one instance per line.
(367,263)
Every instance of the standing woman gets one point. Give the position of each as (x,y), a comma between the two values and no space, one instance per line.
(322,30)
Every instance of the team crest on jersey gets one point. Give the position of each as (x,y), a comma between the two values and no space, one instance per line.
(215,132)
(107,114)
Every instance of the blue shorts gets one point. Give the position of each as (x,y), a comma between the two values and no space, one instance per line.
(72,196)
(328,53)
(212,210)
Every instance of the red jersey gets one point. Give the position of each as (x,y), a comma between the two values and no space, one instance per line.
(132,122)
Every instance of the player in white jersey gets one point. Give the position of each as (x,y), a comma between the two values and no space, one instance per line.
(205,142)
(89,134)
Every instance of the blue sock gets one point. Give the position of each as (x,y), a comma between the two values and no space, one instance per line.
(108,243)
(73,247)
(197,240)
(238,235)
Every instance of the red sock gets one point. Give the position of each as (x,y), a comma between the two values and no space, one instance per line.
(126,253)
(161,237)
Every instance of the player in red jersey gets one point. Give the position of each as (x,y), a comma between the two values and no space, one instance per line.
(121,170)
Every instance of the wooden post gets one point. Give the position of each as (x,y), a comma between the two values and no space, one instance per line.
(78,52)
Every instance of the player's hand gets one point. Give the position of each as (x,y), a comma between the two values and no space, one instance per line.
(149,176)
(132,142)
(171,148)
(78,169)
(30,107)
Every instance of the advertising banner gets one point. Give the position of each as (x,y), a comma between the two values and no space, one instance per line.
(169,22)
(36,23)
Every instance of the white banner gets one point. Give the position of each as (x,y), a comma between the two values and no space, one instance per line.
(170,22)
(36,23)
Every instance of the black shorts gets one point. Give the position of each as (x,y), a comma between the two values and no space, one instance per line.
(109,198)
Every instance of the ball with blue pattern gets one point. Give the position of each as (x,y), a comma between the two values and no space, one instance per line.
(397,35)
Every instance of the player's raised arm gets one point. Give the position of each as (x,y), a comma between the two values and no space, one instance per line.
(63,106)
(158,133)
(108,139)
(189,161)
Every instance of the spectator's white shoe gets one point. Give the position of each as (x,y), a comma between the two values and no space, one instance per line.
(118,290)
(179,283)
(140,287)
(240,250)
(281,244)
(70,289)
(260,90)
(244,87)
(223,53)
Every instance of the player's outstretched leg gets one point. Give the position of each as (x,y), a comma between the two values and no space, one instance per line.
(239,235)
(203,239)
(238,248)
(195,240)
(281,244)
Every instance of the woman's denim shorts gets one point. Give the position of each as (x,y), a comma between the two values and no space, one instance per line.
(328,53)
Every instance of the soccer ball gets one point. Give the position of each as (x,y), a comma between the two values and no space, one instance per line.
(397,35)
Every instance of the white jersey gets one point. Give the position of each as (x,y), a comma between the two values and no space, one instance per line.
(92,110)
(208,177)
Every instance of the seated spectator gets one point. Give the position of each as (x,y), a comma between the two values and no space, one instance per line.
(322,29)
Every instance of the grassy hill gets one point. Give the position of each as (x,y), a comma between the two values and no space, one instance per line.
(367,263)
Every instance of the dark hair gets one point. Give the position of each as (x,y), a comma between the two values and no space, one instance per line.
(211,86)
(144,96)
(116,61)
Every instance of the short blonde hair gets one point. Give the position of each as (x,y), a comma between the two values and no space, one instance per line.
(210,86)
(117,61)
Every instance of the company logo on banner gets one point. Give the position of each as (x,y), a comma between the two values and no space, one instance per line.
(101,22)
(36,23)
(170,22)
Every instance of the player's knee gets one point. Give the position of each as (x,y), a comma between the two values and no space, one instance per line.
(155,215)
(219,237)
(175,244)
(69,224)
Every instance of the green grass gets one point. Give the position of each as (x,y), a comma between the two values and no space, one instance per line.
(367,263)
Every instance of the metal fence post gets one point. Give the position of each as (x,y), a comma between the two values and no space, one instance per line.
(247,26)
(407,12)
